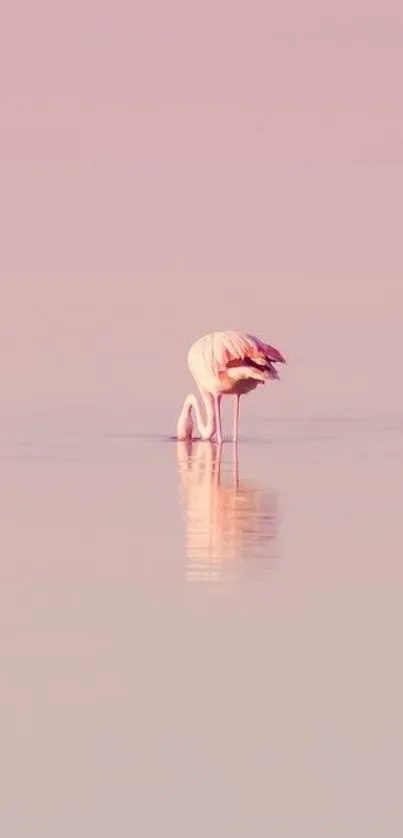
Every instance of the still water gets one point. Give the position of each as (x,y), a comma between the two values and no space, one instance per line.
(201,640)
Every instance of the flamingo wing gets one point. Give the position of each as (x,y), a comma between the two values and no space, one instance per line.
(248,355)
(233,355)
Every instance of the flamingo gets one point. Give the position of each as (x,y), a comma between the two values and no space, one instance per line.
(224,363)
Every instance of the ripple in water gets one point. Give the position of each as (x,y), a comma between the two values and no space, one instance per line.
(231,523)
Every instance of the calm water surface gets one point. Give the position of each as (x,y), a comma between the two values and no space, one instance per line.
(202,641)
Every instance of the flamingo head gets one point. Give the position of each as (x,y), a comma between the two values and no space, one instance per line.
(184,428)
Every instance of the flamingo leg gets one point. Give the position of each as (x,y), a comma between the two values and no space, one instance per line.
(236,418)
(217,406)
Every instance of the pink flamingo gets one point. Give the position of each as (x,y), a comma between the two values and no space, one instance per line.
(224,363)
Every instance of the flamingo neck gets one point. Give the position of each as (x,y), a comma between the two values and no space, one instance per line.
(206,427)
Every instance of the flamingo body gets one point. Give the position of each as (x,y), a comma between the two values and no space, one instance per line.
(224,363)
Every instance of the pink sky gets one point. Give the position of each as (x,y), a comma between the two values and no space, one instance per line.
(168,169)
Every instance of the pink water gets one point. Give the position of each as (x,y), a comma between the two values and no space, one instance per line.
(184,652)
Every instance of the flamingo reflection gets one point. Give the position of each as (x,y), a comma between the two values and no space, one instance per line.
(229,522)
